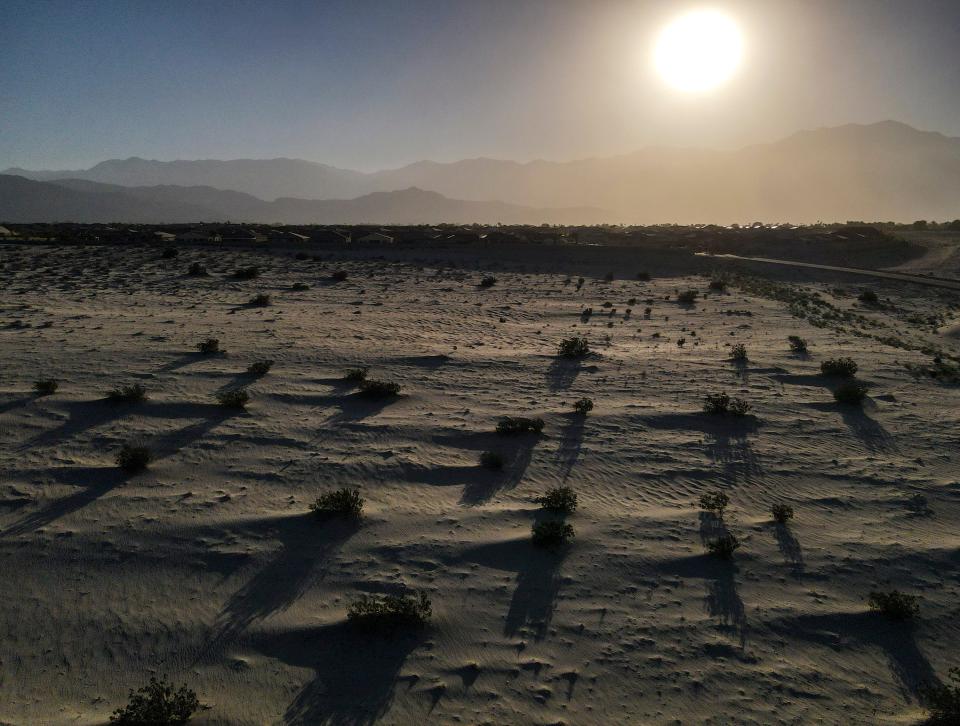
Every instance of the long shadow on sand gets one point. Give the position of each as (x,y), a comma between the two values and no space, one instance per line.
(722,601)
(563,372)
(869,431)
(727,440)
(16,403)
(351,407)
(305,544)
(517,453)
(355,672)
(790,548)
(844,631)
(571,441)
(538,581)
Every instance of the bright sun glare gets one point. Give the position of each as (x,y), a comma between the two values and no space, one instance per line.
(698,51)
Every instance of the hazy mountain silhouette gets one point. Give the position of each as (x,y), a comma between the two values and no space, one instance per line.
(882,171)
(78,200)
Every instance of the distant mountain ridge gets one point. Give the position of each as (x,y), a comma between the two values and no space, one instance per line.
(881,171)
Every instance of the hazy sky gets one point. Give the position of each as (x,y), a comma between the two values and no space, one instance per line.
(369,85)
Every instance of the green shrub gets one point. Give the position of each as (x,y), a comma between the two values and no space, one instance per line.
(132,459)
(491,460)
(233,398)
(515,425)
(688,297)
(246,273)
(379,389)
(356,375)
(209,346)
(157,704)
(943,701)
(583,406)
(343,502)
(841,367)
(782,513)
(895,605)
(559,499)
(797,344)
(128,394)
(715,502)
(45,386)
(720,403)
(851,393)
(575,347)
(260,367)
(390,612)
(261,300)
(868,297)
(739,353)
(724,547)
(197,270)
(552,534)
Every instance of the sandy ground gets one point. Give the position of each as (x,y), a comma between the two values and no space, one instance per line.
(208,567)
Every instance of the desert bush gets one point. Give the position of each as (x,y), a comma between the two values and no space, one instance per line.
(169,253)
(868,297)
(782,513)
(246,273)
(233,398)
(45,386)
(797,344)
(739,353)
(343,502)
(488,281)
(197,270)
(688,297)
(719,284)
(299,286)
(157,704)
(379,389)
(943,701)
(552,534)
(356,375)
(724,547)
(895,605)
(128,394)
(132,459)
(491,460)
(515,425)
(209,346)
(842,367)
(721,403)
(559,499)
(339,275)
(583,406)
(260,367)
(389,612)
(260,300)
(715,502)
(851,393)
(575,347)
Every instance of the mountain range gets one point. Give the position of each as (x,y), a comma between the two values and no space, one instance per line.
(882,171)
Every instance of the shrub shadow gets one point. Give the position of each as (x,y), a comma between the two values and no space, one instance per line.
(571,441)
(722,601)
(790,548)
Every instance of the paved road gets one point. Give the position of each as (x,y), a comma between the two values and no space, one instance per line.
(903,276)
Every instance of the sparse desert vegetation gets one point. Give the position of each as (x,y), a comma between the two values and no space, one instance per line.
(133,393)
(158,703)
(894,605)
(344,502)
(516,425)
(388,613)
(45,386)
(233,398)
(559,499)
(552,534)
(133,458)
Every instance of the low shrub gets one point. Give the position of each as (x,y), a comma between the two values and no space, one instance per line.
(797,344)
(851,393)
(390,612)
(552,534)
(246,273)
(559,499)
(261,300)
(583,406)
(338,275)
(128,394)
(575,347)
(260,367)
(943,701)
(491,460)
(724,547)
(209,346)
(739,407)
(299,286)
(157,704)
(841,367)
(233,398)
(895,605)
(739,353)
(782,513)
(169,253)
(715,502)
(132,459)
(720,403)
(688,297)
(379,389)
(343,502)
(488,281)
(356,375)
(197,270)
(718,284)
(45,386)
(868,297)
(515,425)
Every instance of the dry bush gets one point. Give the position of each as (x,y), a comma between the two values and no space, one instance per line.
(379,389)
(343,502)
(157,704)
(387,613)
(515,425)
(559,499)
(715,502)
(132,459)
(128,394)
(724,547)
(45,387)
(233,398)
(583,406)
(260,367)
(782,513)
(552,534)
(850,393)
(575,347)
(840,367)
(209,346)
(356,375)
(895,605)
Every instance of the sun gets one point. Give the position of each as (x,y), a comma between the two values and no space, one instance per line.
(698,51)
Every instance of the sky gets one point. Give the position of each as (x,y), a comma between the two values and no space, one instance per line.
(371,85)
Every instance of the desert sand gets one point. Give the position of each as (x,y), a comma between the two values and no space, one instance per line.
(209,568)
